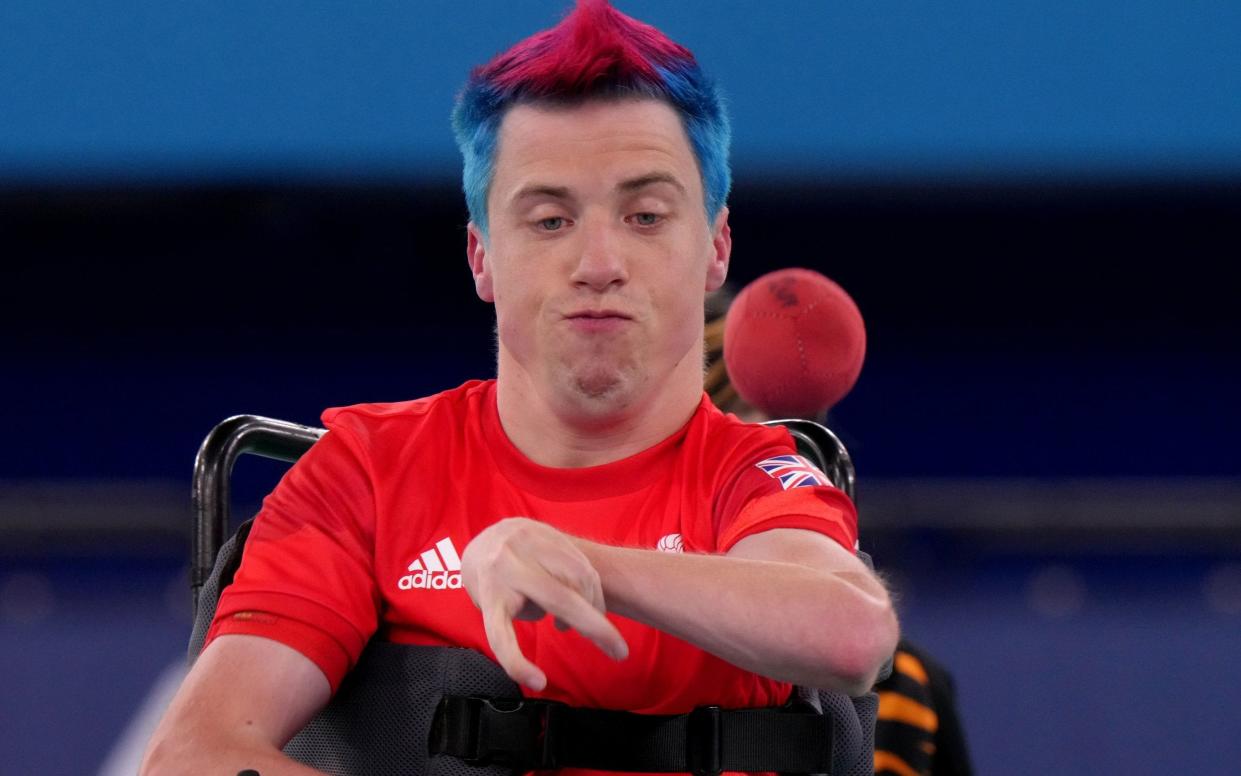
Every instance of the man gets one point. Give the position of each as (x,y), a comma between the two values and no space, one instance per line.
(596,175)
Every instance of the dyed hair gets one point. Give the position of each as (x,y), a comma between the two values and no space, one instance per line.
(596,52)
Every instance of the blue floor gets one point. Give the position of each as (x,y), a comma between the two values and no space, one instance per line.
(1064,666)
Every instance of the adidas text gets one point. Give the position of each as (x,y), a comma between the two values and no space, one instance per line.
(428,580)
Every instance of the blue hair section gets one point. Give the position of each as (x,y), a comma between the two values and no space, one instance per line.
(476,125)
(706,124)
(481,107)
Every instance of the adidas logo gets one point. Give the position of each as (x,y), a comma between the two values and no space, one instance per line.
(436,569)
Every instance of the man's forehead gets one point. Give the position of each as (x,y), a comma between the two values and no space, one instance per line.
(630,142)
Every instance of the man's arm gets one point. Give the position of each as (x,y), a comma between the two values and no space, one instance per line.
(245,697)
(787,603)
(790,604)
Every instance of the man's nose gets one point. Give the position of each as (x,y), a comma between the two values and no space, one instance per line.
(600,263)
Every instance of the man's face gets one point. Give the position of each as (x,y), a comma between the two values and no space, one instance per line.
(599,251)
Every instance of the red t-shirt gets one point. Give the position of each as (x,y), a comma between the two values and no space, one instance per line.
(363,536)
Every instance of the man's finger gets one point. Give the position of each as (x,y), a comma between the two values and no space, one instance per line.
(498,624)
(574,570)
(567,605)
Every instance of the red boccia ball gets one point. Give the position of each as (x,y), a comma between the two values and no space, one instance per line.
(794,343)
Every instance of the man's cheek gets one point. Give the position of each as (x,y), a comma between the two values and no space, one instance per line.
(517,329)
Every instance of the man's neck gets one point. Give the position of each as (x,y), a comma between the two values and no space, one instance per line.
(551,434)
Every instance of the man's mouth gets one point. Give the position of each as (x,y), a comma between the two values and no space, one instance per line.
(598,320)
(599,314)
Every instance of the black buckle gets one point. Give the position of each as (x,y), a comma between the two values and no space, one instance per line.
(512,732)
(703,742)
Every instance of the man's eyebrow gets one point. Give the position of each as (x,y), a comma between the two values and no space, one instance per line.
(650,179)
(541,190)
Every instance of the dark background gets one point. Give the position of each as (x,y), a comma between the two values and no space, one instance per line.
(1045,429)
(1014,330)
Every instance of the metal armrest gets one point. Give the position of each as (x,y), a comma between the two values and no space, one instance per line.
(213,469)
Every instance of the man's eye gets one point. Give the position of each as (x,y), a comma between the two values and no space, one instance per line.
(646,219)
(551,224)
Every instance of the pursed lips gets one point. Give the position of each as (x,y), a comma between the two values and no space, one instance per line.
(597,320)
(599,314)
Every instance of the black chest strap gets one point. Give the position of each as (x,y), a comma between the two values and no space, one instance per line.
(543,735)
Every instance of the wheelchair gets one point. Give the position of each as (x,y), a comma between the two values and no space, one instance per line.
(387,717)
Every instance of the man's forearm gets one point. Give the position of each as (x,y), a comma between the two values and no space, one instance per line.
(828,629)
(166,759)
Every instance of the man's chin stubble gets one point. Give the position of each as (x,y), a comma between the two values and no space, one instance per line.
(597,386)
(603,388)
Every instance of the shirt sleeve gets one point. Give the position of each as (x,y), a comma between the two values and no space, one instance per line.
(777,489)
(307,574)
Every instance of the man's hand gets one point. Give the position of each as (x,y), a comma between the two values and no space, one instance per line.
(523,569)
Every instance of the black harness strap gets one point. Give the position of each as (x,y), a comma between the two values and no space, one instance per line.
(543,735)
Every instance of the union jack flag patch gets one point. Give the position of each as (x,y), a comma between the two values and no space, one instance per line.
(793,471)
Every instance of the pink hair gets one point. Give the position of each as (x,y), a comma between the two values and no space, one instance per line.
(594,42)
(595,51)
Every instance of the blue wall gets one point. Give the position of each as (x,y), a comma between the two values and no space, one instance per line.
(137,89)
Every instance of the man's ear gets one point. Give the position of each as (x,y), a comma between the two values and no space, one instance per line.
(721,250)
(480,267)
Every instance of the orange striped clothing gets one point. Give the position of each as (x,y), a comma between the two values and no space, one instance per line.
(917,732)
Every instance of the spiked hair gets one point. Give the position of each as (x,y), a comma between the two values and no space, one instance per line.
(596,52)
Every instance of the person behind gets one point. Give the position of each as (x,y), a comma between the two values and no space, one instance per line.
(587,519)
(918,730)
